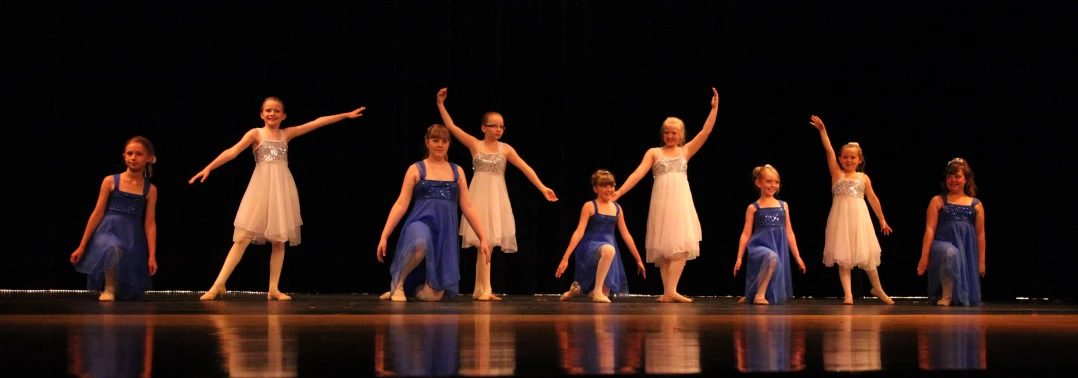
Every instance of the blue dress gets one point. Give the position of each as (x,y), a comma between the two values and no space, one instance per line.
(599,232)
(120,241)
(954,253)
(431,227)
(768,243)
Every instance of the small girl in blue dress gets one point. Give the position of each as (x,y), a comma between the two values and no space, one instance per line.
(953,247)
(118,252)
(598,270)
(430,232)
(767,220)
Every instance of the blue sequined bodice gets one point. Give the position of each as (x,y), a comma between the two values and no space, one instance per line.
(602,223)
(432,189)
(769,216)
(958,213)
(127,203)
(271,150)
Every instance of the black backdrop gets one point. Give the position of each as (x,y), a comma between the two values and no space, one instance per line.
(583,85)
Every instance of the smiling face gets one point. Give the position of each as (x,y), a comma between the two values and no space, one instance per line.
(673,132)
(273,112)
(956,182)
(768,182)
(437,142)
(603,184)
(850,158)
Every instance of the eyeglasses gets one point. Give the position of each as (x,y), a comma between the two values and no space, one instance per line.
(496,126)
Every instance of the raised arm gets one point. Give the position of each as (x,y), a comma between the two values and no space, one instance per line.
(645,165)
(472,216)
(980,235)
(629,242)
(697,141)
(95,217)
(151,226)
(875,203)
(585,213)
(467,139)
(295,131)
(411,177)
(832,161)
(249,138)
(931,219)
(792,240)
(514,158)
(746,233)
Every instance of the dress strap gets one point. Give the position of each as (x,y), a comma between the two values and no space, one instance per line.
(456,173)
(422,170)
(975,202)
(500,148)
(145,187)
(782,205)
(944,199)
(617,209)
(116,182)
(757,205)
(595,206)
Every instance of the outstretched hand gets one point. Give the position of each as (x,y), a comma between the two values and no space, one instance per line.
(381,250)
(714,98)
(885,229)
(549,194)
(802,265)
(356,113)
(816,122)
(442,94)
(615,196)
(561,268)
(203,175)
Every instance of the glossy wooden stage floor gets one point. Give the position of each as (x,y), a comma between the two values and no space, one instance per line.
(337,335)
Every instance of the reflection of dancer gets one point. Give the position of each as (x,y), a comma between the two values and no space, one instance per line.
(255,351)
(953,344)
(600,346)
(674,348)
(953,249)
(852,345)
(485,351)
(417,345)
(105,349)
(768,343)
(767,236)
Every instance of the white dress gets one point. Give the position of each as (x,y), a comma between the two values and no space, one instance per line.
(673,226)
(491,202)
(850,238)
(270,207)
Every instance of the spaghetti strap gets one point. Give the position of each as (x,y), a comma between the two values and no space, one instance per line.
(756,205)
(595,206)
(617,209)
(145,187)
(456,172)
(116,182)
(422,170)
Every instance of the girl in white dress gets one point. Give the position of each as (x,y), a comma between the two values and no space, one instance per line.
(673,235)
(850,239)
(488,191)
(269,210)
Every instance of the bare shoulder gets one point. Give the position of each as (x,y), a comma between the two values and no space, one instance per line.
(751,209)
(107,183)
(587,208)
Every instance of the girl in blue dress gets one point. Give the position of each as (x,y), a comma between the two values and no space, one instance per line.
(118,252)
(598,270)
(953,247)
(767,220)
(430,232)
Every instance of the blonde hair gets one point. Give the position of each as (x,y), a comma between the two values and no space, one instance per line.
(602,177)
(676,122)
(272,98)
(758,173)
(860,154)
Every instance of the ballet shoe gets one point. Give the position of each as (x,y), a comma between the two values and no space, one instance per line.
(106,296)
(278,296)
(212,293)
(882,296)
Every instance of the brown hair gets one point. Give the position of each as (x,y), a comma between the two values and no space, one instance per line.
(758,174)
(487,115)
(957,165)
(602,177)
(148,171)
(274,99)
(436,130)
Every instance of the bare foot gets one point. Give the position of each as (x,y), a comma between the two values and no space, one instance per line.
(663,299)
(398,295)
(945,301)
(760,301)
(597,296)
(212,293)
(495,297)
(106,296)
(278,296)
(680,298)
(848,300)
(385,296)
(741,301)
(882,296)
(573,291)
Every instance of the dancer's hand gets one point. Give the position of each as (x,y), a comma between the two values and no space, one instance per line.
(982,269)
(203,175)
(485,250)
(737,267)
(922,266)
(640,269)
(381,250)
(816,122)
(153,265)
(442,94)
(561,268)
(549,194)
(714,98)
(77,255)
(356,113)
(885,229)
(801,264)
(615,196)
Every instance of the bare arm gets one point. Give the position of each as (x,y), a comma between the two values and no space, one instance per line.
(638,174)
(792,241)
(518,162)
(249,138)
(295,131)
(629,242)
(151,227)
(980,234)
(467,139)
(585,213)
(697,141)
(470,214)
(746,233)
(411,177)
(832,161)
(931,220)
(95,217)
(875,203)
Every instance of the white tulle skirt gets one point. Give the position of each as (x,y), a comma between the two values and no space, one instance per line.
(673,226)
(490,199)
(269,210)
(850,238)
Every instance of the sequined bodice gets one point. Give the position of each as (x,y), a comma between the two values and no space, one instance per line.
(769,217)
(489,162)
(271,150)
(849,188)
(665,165)
(127,203)
(434,189)
(601,223)
(958,213)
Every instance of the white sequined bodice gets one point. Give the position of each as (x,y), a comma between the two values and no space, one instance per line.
(849,188)
(489,162)
(271,150)
(665,165)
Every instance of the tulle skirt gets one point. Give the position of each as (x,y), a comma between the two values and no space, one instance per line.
(587,263)
(673,226)
(957,259)
(269,210)
(490,199)
(766,246)
(850,238)
(120,242)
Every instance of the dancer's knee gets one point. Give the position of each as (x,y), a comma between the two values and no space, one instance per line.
(606,251)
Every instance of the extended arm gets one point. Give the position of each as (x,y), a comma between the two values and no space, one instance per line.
(980,235)
(746,233)
(467,139)
(697,141)
(249,138)
(638,174)
(295,131)
(875,203)
(151,227)
(581,225)
(411,177)
(472,216)
(95,217)
(931,219)
(629,242)
(792,241)
(832,161)
(518,162)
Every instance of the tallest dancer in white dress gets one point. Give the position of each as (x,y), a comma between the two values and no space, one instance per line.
(488,192)
(673,227)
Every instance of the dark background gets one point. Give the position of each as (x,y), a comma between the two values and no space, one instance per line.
(583,85)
